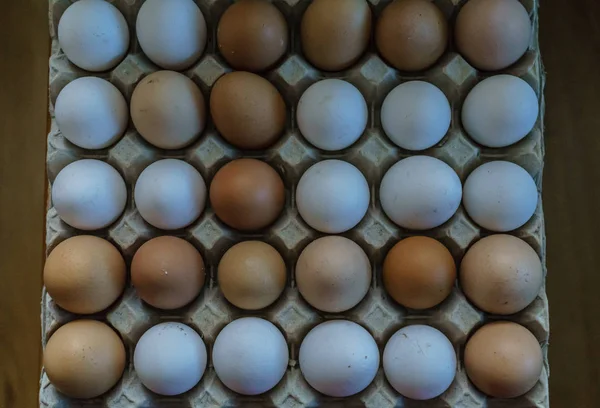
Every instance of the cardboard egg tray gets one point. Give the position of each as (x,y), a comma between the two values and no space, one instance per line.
(373,154)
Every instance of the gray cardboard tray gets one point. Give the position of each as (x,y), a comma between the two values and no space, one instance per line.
(373,154)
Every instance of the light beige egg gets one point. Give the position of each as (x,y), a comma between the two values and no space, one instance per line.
(333,274)
(252,275)
(85,274)
(501,274)
(84,358)
(168,110)
(503,359)
(492,34)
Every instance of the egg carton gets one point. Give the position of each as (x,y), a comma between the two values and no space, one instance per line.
(373,154)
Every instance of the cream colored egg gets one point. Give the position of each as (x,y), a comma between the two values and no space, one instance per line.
(168,110)
(501,274)
(333,274)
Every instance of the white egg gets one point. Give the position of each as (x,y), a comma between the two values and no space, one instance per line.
(500,196)
(416,115)
(89,194)
(93,34)
(500,111)
(332,114)
(250,355)
(170,194)
(91,113)
(332,196)
(170,358)
(339,358)
(171,33)
(168,109)
(419,362)
(420,192)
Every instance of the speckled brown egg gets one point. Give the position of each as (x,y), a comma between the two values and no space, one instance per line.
(333,274)
(84,358)
(85,274)
(411,35)
(252,35)
(419,272)
(492,34)
(335,33)
(168,110)
(248,111)
(167,272)
(247,194)
(251,275)
(501,274)
(503,359)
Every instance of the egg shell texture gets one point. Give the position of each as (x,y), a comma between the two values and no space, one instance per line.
(170,358)
(339,358)
(420,362)
(167,272)
(335,33)
(333,274)
(419,272)
(250,355)
(248,111)
(84,358)
(373,154)
(247,194)
(411,34)
(89,194)
(492,34)
(168,110)
(171,33)
(252,275)
(501,274)
(252,35)
(91,113)
(170,194)
(503,359)
(94,35)
(85,274)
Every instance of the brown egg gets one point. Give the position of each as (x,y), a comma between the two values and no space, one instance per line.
(84,358)
(85,274)
(335,33)
(492,34)
(168,109)
(419,272)
(501,274)
(247,194)
(333,274)
(167,272)
(252,35)
(503,359)
(252,275)
(247,110)
(411,34)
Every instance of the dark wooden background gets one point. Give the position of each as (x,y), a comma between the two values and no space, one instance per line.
(570,37)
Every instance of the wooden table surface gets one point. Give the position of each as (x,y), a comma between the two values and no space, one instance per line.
(570,37)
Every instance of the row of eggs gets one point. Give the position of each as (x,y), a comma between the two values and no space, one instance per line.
(332,196)
(168,111)
(253,34)
(500,274)
(338,358)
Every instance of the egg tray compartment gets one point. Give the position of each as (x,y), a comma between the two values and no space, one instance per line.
(373,154)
